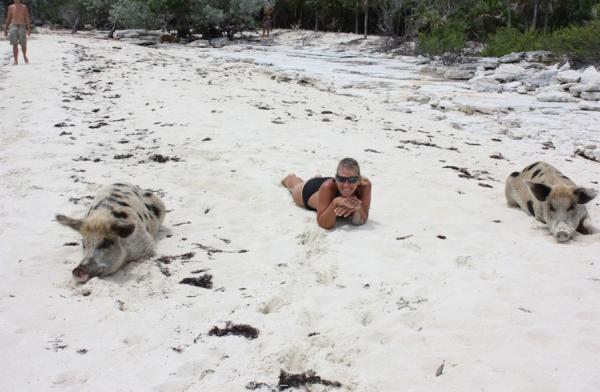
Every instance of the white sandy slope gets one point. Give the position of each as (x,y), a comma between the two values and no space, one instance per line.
(498,301)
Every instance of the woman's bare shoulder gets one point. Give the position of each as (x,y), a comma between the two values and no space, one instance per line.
(328,184)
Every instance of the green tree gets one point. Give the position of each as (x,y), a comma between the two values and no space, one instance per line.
(133,14)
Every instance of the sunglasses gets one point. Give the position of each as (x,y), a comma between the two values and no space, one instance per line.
(342,179)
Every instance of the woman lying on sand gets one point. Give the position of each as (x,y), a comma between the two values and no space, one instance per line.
(347,195)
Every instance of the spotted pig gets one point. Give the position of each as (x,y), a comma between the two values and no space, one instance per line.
(120,225)
(552,198)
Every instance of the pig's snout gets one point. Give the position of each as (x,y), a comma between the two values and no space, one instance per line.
(81,274)
(563,236)
(563,232)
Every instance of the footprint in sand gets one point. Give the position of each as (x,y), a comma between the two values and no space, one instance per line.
(313,241)
(273,305)
(294,360)
(326,277)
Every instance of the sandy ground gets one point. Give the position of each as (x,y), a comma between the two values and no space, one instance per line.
(443,273)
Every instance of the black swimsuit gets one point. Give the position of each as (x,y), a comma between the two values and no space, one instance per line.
(310,187)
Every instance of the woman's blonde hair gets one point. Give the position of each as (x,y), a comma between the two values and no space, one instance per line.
(350,163)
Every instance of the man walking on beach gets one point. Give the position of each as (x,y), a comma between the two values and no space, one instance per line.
(17,27)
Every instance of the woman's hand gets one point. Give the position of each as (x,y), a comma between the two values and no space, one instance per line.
(346,206)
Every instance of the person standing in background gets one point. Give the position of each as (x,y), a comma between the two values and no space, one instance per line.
(17,27)
(267,19)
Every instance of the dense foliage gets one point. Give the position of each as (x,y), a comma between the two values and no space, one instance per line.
(582,42)
(438,25)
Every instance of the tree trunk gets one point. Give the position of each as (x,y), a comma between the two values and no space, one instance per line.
(111,33)
(356,18)
(75,25)
(546,21)
(535,12)
(366,6)
(316,21)
(508,21)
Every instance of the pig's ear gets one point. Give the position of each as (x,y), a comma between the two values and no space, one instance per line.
(540,191)
(584,195)
(123,230)
(74,224)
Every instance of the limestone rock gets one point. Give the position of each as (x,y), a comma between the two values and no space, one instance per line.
(590,107)
(540,56)
(541,79)
(199,43)
(485,84)
(509,73)
(512,58)
(219,42)
(590,76)
(458,74)
(569,76)
(555,96)
(590,96)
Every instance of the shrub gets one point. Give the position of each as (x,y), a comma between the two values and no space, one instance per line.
(579,41)
(450,37)
(508,40)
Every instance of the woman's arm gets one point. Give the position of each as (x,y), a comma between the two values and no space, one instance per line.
(361,215)
(327,204)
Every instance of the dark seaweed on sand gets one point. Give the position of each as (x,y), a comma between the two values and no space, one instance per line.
(244,330)
(204,281)
(288,380)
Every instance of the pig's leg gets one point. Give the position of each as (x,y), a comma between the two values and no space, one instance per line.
(586,226)
(141,247)
(510,190)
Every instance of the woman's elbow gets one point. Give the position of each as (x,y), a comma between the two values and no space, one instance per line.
(325,225)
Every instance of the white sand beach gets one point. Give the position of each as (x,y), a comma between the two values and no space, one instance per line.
(444,272)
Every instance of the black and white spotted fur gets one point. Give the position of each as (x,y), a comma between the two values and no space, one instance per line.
(551,197)
(120,226)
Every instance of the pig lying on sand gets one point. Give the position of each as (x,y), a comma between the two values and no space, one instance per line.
(552,198)
(119,226)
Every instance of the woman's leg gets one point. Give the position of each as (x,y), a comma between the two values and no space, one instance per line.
(294,184)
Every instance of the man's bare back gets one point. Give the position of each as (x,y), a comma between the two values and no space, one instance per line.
(18,14)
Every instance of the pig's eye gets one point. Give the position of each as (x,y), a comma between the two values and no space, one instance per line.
(571,207)
(552,209)
(106,243)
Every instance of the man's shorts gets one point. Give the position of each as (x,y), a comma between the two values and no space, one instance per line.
(17,34)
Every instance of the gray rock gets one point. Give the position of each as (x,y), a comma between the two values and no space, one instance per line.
(485,105)
(513,86)
(443,105)
(485,84)
(541,79)
(569,76)
(590,96)
(590,76)
(512,58)
(458,74)
(137,34)
(509,73)
(433,70)
(540,56)
(421,60)
(199,43)
(567,86)
(488,63)
(580,88)
(590,107)
(555,96)
(219,42)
